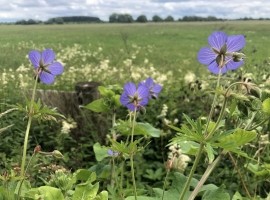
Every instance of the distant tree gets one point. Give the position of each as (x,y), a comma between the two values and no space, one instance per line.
(157,18)
(113,18)
(211,18)
(169,19)
(141,18)
(120,18)
(20,22)
(49,21)
(31,21)
(59,20)
(125,18)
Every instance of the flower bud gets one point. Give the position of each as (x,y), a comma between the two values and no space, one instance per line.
(237,57)
(37,149)
(57,154)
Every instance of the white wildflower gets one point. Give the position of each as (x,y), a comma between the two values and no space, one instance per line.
(189,77)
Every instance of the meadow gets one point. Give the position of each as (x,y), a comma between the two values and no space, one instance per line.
(112,55)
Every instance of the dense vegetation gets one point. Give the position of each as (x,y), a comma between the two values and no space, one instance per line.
(111,55)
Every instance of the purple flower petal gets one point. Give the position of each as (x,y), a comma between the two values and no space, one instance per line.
(157,88)
(56,68)
(149,82)
(217,39)
(143,91)
(46,78)
(206,56)
(34,57)
(214,68)
(48,56)
(131,106)
(235,43)
(124,99)
(231,65)
(144,101)
(130,88)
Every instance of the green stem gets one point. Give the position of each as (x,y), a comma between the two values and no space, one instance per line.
(113,125)
(121,179)
(214,101)
(206,174)
(218,120)
(132,154)
(257,125)
(250,121)
(22,180)
(113,176)
(196,162)
(164,184)
(222,110)
(30,115)
(200,150)
(240,176)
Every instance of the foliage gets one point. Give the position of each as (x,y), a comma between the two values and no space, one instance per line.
(239,139)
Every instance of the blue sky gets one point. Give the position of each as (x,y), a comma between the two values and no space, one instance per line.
(13,10)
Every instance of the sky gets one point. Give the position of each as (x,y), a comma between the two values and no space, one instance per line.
(14,10)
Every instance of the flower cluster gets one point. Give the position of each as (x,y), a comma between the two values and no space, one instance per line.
(134,98)
(223,53)
(176,159)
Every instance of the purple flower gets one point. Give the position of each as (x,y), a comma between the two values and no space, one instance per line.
(223,52)
(133,97)
(45,66)
(112,153)
(154,88)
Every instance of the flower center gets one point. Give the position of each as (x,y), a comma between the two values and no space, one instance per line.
(221,55)
(135,99)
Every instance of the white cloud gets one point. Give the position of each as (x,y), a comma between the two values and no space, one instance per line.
(44,9)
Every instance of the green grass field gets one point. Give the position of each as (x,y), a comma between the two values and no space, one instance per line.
(172,43)
(168,47)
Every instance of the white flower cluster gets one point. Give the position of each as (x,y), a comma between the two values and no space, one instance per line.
(176,159)
(264,139)
(67,125)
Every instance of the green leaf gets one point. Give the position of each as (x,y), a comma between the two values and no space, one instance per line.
(146,129)
(46,192)
(116,100)
(210,152)
(266,106)
(101,152)
(237,196)
(105,92)
(102,196)
(189,147)
(186,134)
(98,106)
(239,96)
(85,175)
(216,194)
(236,139)
(5,128)
(85,191)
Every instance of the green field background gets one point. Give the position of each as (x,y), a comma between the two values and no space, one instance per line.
(174,46)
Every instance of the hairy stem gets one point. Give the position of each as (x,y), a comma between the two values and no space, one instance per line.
(206,174)
(240,176)
(30,116)
(195,164)
(132,155)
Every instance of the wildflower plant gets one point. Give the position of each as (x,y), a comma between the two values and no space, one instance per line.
(210,136)
(135,98)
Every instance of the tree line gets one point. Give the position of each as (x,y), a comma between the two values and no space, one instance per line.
(124,18)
